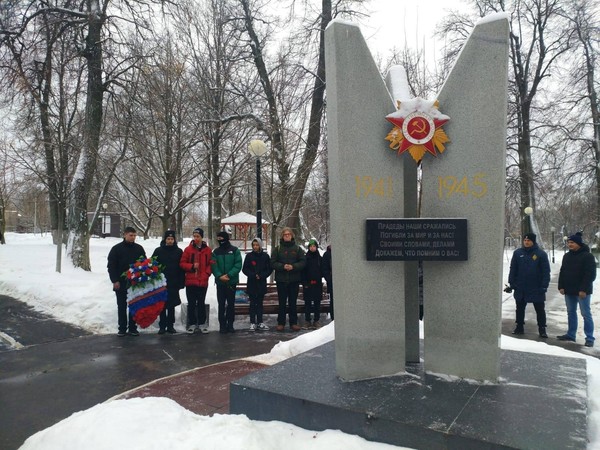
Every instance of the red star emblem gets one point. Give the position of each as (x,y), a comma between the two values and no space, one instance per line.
(418,128)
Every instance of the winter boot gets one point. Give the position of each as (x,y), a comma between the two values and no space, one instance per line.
(542,331)
(519,329)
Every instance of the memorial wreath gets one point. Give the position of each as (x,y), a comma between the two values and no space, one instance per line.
(146,291)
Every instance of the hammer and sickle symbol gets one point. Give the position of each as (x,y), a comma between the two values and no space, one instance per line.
(419,129)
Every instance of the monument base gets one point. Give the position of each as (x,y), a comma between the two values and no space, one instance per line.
(539,403)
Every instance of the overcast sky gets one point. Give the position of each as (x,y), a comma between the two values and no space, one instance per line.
(394,22)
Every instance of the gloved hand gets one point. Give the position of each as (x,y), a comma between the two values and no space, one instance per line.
(508,289)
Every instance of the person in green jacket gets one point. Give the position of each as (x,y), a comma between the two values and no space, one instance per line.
(226,265)
(288,261)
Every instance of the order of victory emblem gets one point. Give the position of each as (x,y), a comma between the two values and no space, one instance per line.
(417,128)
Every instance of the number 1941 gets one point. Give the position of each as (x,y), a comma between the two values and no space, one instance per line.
(367,186)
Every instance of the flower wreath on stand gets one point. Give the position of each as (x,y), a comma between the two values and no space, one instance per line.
(146,291)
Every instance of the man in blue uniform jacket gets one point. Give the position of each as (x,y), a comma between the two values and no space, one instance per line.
(529,278)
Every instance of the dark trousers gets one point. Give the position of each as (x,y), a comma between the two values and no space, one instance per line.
(226,301)
(312,301)
(167,315)
(196,297)
(122,312)
(539,310)
(287,294)
(256,308)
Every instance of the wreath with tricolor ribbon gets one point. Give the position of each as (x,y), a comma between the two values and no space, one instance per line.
(146,291)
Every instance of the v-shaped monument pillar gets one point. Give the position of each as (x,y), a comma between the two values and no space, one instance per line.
(368,180)
(462,300)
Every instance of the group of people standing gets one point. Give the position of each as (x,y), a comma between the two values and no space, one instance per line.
(192,267)
(293,267)
(529,278)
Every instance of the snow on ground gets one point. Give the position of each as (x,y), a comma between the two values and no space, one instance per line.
(27,272)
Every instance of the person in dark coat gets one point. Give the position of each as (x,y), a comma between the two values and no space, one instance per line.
(257,268)
(119,258)
(288,260)
(169,256)
(575,282)
(195,262)
(328,275)
(529,278)
(312,282)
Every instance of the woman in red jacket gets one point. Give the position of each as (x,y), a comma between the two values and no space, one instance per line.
(195,261)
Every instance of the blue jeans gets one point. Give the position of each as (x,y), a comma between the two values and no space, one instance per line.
(585,306)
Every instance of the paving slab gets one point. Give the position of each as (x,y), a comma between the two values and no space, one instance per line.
(26,326)
(204,390)
(60,371)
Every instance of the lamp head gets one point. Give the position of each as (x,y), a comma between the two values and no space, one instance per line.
(257,147)
(528,210)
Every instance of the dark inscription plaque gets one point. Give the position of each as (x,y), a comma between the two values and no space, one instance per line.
(417,239)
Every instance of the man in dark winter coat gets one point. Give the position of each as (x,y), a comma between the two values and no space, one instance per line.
(195,262)
(288,260)
(529,278)
(169,256)
(575,282)
(312,282)
(119,258)
(226,266)
(257,268)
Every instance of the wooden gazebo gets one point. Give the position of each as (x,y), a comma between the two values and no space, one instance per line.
(243,230)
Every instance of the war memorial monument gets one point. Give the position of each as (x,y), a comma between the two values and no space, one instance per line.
(456,388)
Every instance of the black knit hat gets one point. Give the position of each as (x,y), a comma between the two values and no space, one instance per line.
(577,238)
(200,231)
(224,235)
(531,236)
(170,233)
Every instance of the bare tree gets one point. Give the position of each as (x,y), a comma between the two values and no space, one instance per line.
(88,25)
(291,186)
(223,88)
(38,59)
(165,140)
(538,37)
(583,16)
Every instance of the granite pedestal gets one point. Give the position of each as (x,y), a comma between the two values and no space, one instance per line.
(539,403)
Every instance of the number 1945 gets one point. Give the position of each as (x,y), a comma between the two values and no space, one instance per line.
(450,186)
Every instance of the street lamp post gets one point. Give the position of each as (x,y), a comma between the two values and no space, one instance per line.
(258,148)
(553,230)
(104,207)
(528,212)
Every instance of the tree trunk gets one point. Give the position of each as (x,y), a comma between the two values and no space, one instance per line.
(79,238)
(526,170)
(216,212)
(314,127)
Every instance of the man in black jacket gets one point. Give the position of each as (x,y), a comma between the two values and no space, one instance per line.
(120,257)
(257,268)
(169,256)
(575,282)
